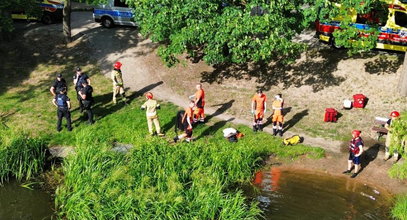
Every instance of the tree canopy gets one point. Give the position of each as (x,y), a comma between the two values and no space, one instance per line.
(6,7)
(224,31)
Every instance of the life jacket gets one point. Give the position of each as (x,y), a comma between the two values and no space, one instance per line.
(61,102)
(277,106)
(201,96)
(354,145)
(292,140)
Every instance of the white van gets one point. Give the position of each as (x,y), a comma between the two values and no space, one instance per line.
(114,12)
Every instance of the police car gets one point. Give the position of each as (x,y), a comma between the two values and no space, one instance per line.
(114,12)
(51,12)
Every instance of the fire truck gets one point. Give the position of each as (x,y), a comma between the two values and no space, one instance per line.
(393,31)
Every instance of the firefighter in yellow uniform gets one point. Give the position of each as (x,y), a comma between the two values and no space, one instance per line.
(278,117)
(151,107)
(117,78)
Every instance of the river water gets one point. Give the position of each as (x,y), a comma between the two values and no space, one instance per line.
(18,203)
(297,194)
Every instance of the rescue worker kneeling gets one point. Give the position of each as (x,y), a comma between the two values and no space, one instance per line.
(151,106)
(355,150)
(184,122)
(63,103)
(232,134)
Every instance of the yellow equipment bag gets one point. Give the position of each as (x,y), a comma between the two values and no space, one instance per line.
(292,140)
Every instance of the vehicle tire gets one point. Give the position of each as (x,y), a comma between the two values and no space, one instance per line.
(107,22)
(46,19)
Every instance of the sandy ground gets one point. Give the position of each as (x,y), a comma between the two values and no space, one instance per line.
(320,78)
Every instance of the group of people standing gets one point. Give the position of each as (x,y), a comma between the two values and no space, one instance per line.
(259,108)
(84,96)
(356,146)
(193,113)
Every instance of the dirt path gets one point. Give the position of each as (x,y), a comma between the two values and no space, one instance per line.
(143,71)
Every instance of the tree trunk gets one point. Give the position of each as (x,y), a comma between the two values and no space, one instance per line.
(403,78)
(6,25)
(67,21)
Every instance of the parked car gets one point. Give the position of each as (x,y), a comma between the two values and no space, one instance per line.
(114,12)
(51,12)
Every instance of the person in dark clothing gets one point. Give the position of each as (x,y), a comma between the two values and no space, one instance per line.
(87,100)
(78,80)
(59,84)
(63,103)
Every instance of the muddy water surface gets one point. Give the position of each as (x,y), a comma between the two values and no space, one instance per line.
(17,203)
(297,194)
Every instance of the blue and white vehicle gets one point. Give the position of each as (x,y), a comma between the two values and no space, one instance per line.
(114,12)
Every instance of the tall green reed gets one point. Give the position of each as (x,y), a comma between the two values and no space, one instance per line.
(21,157)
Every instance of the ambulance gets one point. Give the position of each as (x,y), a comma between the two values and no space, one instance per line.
(393,31)
(114,12)
(51,12)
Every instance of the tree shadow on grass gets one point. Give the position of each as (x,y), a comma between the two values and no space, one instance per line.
(211,130)
(316,70)
(384,64)
(222,108)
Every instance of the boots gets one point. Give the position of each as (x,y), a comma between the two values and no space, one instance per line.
(259,127)
(395,157)
(386,156)
(255,128)
(280,131)
(274,131)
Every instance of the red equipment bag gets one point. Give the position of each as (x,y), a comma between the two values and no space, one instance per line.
(330,115)
(359,101)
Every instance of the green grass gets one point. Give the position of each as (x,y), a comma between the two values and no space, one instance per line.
(155,180)
(399,210)
(160,180)
(21,157)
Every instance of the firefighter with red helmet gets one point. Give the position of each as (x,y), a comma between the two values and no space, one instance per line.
(355,150)
(151,107)
(395,115)
(117,79)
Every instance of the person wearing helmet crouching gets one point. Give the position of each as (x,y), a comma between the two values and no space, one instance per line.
(117,78)
(355,150)
(394,116)
(184,121)
(151,106)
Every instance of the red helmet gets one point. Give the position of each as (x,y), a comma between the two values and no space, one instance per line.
(149,95)
(394,114)
(117,65)
(356,133)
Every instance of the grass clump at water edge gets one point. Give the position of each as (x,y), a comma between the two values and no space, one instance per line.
(21,157)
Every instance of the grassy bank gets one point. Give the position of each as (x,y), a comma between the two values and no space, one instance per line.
(158,179)
(21,157)
(155,179)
